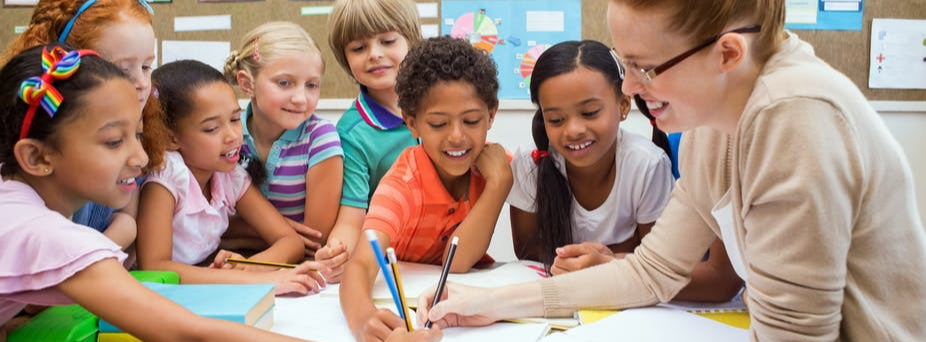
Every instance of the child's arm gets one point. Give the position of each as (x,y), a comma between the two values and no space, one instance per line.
(476,230)
(714,279)
(105,289)
(323,195)
(155,249)
(122,229)
(524,234)
(322,201)
(341,242)
(285,244)
(367,323)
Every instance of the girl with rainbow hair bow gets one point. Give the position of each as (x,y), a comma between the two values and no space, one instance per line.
(85,125)
(121,32)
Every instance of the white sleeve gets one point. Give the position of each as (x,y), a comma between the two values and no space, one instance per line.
(654,189)
(524,188)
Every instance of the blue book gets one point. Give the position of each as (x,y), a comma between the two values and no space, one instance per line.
(250,304)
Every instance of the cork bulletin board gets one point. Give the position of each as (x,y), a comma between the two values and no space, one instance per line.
(847,51)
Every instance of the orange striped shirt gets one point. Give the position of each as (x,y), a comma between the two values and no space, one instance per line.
(412,207)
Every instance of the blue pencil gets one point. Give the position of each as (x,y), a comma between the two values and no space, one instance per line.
(387,276)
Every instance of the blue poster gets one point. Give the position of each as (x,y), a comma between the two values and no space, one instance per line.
(514,33)
(845,15)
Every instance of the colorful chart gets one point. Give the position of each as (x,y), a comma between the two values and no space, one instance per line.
(528,61)
(478,29)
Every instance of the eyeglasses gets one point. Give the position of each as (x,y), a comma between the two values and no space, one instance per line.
(647,75)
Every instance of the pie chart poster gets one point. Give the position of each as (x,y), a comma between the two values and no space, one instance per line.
(514,33)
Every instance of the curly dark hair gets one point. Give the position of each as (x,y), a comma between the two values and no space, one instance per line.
(443,59)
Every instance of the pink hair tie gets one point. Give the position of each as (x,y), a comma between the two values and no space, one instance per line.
(256,55)
(537,155)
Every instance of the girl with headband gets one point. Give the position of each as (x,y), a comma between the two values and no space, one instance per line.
(73,134)
(121,32)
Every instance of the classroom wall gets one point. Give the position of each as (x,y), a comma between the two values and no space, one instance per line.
(907,121)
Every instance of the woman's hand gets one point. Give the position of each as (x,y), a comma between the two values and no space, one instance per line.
(460,305)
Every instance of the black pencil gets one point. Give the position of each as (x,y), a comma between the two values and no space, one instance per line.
(443,275)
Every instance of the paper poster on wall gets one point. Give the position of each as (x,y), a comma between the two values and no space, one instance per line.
(202,23)
(845,15)
(514,33)
(898,54)
(316,10)
(212,53)
(20,2)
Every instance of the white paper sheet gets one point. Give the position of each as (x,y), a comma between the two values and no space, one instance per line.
(212,53)
(427,10)
(653,324)
(546,21)
(316,10)
(202,23)
(321,319)
(898,54)
(801,11)
(418,277)
(430,30)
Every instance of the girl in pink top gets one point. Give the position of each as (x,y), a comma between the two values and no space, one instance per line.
(71,133)
(184,208)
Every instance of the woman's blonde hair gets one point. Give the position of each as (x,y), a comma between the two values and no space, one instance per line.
(703,19)
(265,43)
(357,19)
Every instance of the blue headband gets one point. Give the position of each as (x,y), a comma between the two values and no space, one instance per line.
(70,25)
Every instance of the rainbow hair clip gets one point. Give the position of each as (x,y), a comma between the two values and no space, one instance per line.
(57,64)
(67,28)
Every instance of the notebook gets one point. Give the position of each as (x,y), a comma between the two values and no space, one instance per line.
(250,304)
(652,324)
(319,318)
(733,313)
(416,278)
(265,322)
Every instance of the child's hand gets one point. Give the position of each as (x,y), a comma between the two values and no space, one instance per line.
(419,335)
(335,255)
(578,256)
(219,261)
(310,237)
(380,325)
(302,280)
(492,164)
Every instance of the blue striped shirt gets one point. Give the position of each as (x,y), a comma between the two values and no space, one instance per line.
(289,160)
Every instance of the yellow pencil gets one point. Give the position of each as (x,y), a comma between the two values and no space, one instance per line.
(260,263)
(398,284)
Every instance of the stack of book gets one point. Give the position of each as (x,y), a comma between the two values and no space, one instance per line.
(246,304)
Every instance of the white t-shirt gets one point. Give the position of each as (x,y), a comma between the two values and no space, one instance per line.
(640,192)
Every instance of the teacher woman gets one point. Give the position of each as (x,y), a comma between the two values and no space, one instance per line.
(783,159)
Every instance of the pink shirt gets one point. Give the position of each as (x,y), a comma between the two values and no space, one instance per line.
(40,248)
(198,224)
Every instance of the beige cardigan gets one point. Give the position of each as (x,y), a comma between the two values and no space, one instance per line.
(824,214)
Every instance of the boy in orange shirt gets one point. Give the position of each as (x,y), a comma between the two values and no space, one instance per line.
(453,184)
